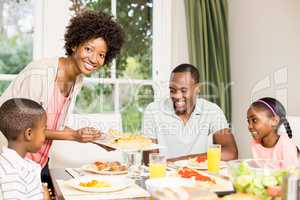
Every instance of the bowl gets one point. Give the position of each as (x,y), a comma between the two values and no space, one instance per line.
(261,177)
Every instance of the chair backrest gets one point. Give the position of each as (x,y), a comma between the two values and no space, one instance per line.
(74,154)
(295,126)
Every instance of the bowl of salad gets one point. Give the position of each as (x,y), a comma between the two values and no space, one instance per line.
(261,177)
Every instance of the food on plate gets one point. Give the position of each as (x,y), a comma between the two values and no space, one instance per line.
(199,159)
(262,182)
(121,140)
(186,172)
(241,196)
(95,184)
(116,133)
(110,166)
(199,162)
(132,142)
(203,180)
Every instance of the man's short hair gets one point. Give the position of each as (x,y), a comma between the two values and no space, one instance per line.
(18,114)
(188,68)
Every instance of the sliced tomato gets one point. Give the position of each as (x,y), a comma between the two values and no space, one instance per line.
(274,191)
(201,159)
(189,173)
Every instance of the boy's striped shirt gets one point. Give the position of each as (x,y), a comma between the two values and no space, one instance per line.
(20,178)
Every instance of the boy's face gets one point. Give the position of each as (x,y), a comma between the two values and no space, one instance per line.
(38,134)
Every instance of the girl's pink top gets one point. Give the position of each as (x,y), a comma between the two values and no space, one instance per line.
(285,150)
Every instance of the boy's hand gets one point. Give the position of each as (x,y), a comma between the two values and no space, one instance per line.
(46,191)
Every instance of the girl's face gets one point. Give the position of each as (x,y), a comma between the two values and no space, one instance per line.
(90,56)
(260,123)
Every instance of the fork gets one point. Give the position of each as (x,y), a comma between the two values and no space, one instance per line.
(74,172)
(78,171)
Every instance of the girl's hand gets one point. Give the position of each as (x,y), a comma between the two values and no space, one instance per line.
(87,134)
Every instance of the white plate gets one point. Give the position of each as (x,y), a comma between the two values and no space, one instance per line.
(117,183)
(158,183)
(93,168)
(221,185)
(108,144)
(195,165)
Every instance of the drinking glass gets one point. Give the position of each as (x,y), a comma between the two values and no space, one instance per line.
(133,159)
(157,165)
(214,158)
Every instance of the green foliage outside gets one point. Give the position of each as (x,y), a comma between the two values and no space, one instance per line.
(134,63)
(15,54)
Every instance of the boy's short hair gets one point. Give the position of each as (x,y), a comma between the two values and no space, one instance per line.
(18,114)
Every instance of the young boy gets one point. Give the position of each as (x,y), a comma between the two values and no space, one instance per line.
(22,122)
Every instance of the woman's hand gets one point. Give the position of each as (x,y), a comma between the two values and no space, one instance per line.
(87,134)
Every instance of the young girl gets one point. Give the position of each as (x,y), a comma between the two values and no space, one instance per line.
(264,119)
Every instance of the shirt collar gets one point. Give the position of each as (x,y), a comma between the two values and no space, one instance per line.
(15,158)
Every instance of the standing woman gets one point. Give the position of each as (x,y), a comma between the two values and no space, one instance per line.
(92,39)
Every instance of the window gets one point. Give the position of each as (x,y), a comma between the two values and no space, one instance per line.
(16,33)
(126,85)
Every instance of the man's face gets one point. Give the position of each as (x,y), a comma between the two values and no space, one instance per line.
(183,92)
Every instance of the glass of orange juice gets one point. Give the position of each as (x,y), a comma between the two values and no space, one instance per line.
(214,158)
(157,165)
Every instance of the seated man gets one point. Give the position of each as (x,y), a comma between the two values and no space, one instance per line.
(183,123)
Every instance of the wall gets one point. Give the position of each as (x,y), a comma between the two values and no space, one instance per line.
(179,34)
(264,47)
(51,18)
(169,42)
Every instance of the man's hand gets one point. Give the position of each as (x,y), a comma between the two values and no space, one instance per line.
(226,139)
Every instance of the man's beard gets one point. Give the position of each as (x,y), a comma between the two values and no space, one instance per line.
(181,112)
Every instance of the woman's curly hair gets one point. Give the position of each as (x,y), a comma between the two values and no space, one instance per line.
(94,24)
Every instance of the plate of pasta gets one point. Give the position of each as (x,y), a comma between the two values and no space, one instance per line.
(100,183)
(128,141)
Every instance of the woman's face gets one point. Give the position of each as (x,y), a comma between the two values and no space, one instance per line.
(90,56)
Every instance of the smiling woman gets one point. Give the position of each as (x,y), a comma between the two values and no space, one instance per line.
(92,39)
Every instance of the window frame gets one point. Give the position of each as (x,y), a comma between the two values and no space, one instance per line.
(161,45)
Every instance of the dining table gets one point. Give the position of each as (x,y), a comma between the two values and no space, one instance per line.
(59,174)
